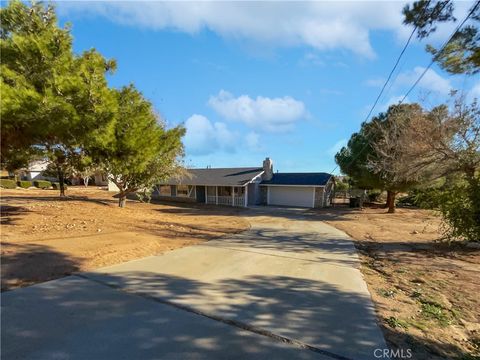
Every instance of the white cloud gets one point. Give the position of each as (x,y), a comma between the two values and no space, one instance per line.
(376,82)
(431,81)
(475,91)
(269,114)
(204,137)
(252,140)
(312,59)
(319,25)
(336,147)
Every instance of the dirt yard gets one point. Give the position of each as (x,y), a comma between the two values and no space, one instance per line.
(426,293)
(44,237)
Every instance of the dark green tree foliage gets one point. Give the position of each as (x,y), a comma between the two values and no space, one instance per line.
(53,101)
(462,54)
(142,152)
(353,159)
(380,156)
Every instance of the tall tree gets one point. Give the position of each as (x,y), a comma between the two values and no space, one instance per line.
(462,54)
(143,152)
(381,156)
(52,101)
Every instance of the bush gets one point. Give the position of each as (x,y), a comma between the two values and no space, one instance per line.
(426,198)
(42,184)
(459,204)
(24,184)
(374,195)
(8,184)
(56,186)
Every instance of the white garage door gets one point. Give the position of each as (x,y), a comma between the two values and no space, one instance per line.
(291,196)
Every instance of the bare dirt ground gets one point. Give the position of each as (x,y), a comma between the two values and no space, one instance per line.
(427,294)
(44,237)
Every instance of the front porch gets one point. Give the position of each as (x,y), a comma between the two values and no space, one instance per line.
(227,195)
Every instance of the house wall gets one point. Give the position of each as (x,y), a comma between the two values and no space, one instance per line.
(319,197)
(173,196)
(323,195)
(329,192)
(101,179)
(263,195)
(112,186)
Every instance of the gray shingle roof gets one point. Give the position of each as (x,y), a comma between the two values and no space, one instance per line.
(218,176)
(314,179)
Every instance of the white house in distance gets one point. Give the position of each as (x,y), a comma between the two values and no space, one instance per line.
(34,171)
(250,186)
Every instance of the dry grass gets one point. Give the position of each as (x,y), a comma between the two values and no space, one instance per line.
(426,293)
(44,237)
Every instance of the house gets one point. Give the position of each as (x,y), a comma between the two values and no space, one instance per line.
(248,186)
(35,171)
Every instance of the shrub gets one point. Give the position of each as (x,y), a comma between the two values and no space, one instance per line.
(459,205)
(24,184)
(56,186)
(426,198)
(42,184)
(374,195)
(8,184)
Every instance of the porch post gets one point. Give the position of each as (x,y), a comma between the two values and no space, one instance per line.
(216,195)
(206,194)
(245,194)
(233,196)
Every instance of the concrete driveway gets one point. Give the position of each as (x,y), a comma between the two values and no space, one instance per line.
(288,288)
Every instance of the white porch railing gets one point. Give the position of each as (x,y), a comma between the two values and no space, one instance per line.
(237,197)
(211,199)
(239,201)
(224,200)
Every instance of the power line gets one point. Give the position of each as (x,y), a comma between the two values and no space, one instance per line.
(470,13)
(393,69)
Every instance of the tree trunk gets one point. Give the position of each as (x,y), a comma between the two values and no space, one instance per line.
(391,201)
(85,181)
(61,179)
(122,200)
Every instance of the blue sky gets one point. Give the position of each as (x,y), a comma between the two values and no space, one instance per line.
(290,81)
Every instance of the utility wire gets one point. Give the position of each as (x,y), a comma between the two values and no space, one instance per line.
(470,13)
(393,70)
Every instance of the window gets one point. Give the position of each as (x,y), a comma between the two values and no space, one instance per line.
(164,190)
(182,190)
(186,191)
(239,191)
(211,191)
(224,191)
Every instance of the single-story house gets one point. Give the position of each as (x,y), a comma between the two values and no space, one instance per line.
(35,171)
(249,186)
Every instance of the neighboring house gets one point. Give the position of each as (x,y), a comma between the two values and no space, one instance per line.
(101,178)
(34,171)
(250,186)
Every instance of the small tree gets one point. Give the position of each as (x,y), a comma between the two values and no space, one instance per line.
(143,152)
(84,167)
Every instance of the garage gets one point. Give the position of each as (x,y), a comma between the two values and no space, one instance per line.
(301,196)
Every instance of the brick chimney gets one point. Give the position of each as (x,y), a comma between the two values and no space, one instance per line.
(268,169)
